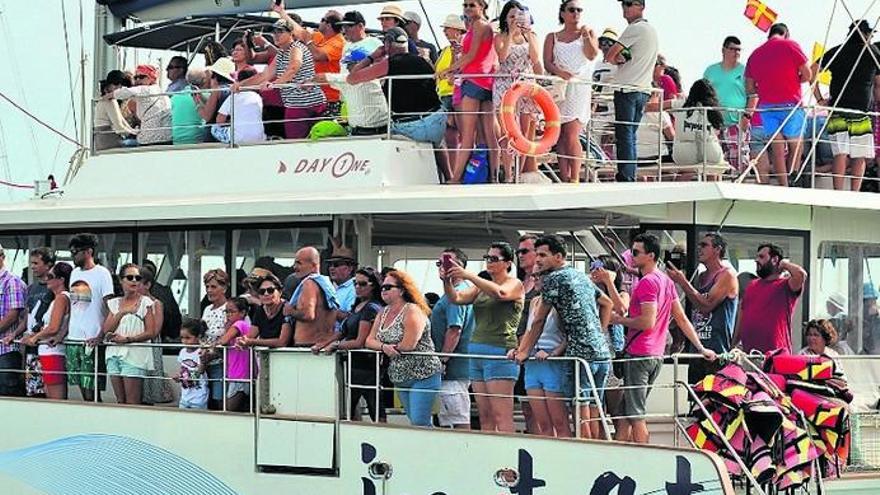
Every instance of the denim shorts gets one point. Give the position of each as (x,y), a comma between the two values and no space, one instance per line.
(428,129)
(486,370)
(118,366)
(473,91)
(600,371)
(773,120)
(548,376)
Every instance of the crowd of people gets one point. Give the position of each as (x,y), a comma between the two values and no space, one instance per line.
(530,326)
(301,82)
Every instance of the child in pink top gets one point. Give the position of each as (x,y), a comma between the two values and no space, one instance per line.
(238,358)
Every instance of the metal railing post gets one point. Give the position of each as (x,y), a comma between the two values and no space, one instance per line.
(703,127)
(223,375)
(378,386)
(390,109)
(577,399)
(95,382)
(347,403)
(635,136)
(231,124)
(676,441)
(814,145)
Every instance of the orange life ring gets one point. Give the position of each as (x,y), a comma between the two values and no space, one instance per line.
(510,119)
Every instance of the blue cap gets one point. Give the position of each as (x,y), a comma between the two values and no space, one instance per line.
(355,56)
(869,292)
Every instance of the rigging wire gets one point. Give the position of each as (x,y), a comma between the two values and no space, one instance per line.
(37,119)
(69,67)
(12,61)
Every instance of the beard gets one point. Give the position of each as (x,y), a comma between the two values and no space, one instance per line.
(765,271)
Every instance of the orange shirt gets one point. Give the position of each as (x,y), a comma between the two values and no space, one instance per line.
(333,47)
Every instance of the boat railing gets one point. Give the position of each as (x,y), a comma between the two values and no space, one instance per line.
(743,157)
(863,380)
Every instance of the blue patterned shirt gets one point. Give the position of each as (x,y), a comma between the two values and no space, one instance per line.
(573,295)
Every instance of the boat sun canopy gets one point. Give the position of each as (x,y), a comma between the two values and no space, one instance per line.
(159,10)
(186,33)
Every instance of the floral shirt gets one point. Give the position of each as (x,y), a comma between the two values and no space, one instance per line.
(573,295)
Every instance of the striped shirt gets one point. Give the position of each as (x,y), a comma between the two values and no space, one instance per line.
(367,106)
(299,96)
(12,296)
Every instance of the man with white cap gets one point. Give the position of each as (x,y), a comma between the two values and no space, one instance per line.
(426,50)
(837,315)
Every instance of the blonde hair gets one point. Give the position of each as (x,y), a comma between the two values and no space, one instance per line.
(216,275)
(410,290)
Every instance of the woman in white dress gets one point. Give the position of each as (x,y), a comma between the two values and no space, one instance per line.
(129,321)
(570,55)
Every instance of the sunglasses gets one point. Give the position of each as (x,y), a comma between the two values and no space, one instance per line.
(606,43)
(50,277)
(267,290)
(133,278)
(175,67)
(491,258)
(637,252)
(387,287)
(523,251)
(469,5)
(574,10)
(362,284)
(337,264)
(75,251)
(629,4)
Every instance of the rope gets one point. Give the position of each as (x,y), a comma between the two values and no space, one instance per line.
(69,68)
(37,119)
(14,185)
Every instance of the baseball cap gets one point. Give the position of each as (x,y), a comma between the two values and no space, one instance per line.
(838,300)
(396,35)
(609,34)
(355,56)
(147,70)
(869,292)
(413,17)
(351,18)
(283,25)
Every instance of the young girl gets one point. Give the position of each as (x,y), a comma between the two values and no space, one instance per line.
(238,359)
(192,378)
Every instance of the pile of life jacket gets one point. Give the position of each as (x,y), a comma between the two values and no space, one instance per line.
(778,422)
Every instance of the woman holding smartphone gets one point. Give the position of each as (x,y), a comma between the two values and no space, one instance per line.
(498,305)
(517,49)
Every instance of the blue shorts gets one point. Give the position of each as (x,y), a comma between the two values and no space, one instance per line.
(486,370)
(773,120)
(118,366)
(600,371)
(473,91)
(758,139)
(428,129)
(548,376)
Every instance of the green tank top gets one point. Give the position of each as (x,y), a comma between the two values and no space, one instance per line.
(495,322)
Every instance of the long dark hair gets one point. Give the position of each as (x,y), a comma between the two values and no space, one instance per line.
(372,277)
(502,18)
(702,94)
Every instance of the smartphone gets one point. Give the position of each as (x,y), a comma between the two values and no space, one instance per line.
(674,258)
(446,261)
(595,265)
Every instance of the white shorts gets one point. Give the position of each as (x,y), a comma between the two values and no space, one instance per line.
(455,403)
(851,135)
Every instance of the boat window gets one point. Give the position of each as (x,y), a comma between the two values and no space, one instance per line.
(273,248)
(849,274)
(17,249)
(114,249)
(741,247)
(182,258)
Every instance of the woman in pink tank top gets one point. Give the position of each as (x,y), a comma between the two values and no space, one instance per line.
(478,58)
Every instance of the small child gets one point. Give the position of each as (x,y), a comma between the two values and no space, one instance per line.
(192,377)
(238,358)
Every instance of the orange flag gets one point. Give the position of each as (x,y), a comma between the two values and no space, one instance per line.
(760,14)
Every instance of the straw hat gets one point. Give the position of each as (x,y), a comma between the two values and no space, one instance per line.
(454,21)
(392,10)
(223,67)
